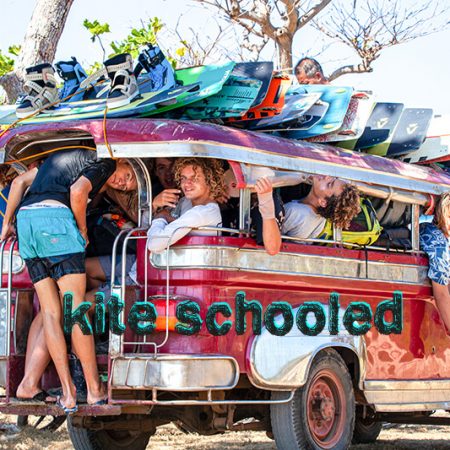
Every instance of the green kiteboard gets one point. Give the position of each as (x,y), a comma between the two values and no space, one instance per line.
(210,80)
(247,82)
(234,99)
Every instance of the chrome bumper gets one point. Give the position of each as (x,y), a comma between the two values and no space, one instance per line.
(175,372)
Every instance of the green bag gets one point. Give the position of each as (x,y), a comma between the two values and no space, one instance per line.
(363,230)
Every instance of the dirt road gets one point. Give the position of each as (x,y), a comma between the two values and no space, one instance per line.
(401,437)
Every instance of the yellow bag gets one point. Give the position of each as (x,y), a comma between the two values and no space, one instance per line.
(363,230)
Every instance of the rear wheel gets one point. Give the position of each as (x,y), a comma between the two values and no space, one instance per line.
(322,413)
(366,431)
(86,439)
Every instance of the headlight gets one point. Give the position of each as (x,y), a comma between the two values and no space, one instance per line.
(18,263)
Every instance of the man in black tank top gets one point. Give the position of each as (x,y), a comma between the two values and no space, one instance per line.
(52,233)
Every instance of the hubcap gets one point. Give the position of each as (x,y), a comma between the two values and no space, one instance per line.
(325,409)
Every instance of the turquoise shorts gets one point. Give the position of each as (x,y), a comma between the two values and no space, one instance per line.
(45,232)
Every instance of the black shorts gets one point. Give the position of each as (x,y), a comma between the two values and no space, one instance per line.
(55,266)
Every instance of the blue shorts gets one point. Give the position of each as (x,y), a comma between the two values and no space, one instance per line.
(50,242)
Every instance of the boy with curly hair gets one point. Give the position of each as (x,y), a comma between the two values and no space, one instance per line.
(202,183)
(329,198)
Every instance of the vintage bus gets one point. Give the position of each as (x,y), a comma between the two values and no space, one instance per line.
(305,389)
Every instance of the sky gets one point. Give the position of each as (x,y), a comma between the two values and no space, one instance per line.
(416,73)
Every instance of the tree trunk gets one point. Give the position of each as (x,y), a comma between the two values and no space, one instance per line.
(284,44)
(40,42)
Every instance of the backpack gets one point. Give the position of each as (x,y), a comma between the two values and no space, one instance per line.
(364,229)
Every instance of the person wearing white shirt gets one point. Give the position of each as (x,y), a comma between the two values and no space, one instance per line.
(202,183)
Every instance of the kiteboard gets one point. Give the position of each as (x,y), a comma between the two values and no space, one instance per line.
(408,134)
(356,117)
(295,106)
(436,146)
(272,104)
(208,79)
(193,84)
(379,128)
(261,71)
(313,116)
(247,85)
(338,99)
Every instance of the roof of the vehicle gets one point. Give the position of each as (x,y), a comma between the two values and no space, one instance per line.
(171,138)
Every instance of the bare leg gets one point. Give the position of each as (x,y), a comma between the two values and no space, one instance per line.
(95,275)
(36,361)
(83,344)
(442,296)
(49,299)
(38,356)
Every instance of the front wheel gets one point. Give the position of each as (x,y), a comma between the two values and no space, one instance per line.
(85,439)
(322,413)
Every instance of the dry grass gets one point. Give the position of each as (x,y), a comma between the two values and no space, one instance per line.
(400,437)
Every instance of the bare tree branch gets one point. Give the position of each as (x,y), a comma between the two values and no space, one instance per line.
(370,28)
(312,13)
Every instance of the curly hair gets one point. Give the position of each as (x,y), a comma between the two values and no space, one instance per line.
(341,209)
(442,213)
(212,169)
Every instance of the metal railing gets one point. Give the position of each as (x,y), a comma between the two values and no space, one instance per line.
(5,298)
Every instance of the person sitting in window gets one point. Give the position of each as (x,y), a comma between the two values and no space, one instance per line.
(202,183)
(435,241)
(329,198)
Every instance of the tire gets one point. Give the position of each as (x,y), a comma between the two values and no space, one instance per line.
(43,423)
(366,431)
(85,439)
(322,413)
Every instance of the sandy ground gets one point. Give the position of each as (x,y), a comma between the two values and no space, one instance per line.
(398,437)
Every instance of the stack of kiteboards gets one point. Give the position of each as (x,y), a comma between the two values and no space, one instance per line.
(252,96)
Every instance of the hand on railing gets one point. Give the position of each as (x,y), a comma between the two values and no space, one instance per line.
(8,232)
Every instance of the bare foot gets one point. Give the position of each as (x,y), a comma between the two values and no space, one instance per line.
(24,391)
(98,395)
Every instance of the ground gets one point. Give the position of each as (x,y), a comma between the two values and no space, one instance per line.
(398,437)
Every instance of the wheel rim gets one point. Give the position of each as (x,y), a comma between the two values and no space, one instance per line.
(325,409)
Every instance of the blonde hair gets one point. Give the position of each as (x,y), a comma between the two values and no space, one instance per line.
(442,213)
(212,169)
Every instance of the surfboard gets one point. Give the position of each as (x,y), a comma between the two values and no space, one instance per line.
(356,117)
(410,132)
(411,120)
(379,128)
(338,99)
